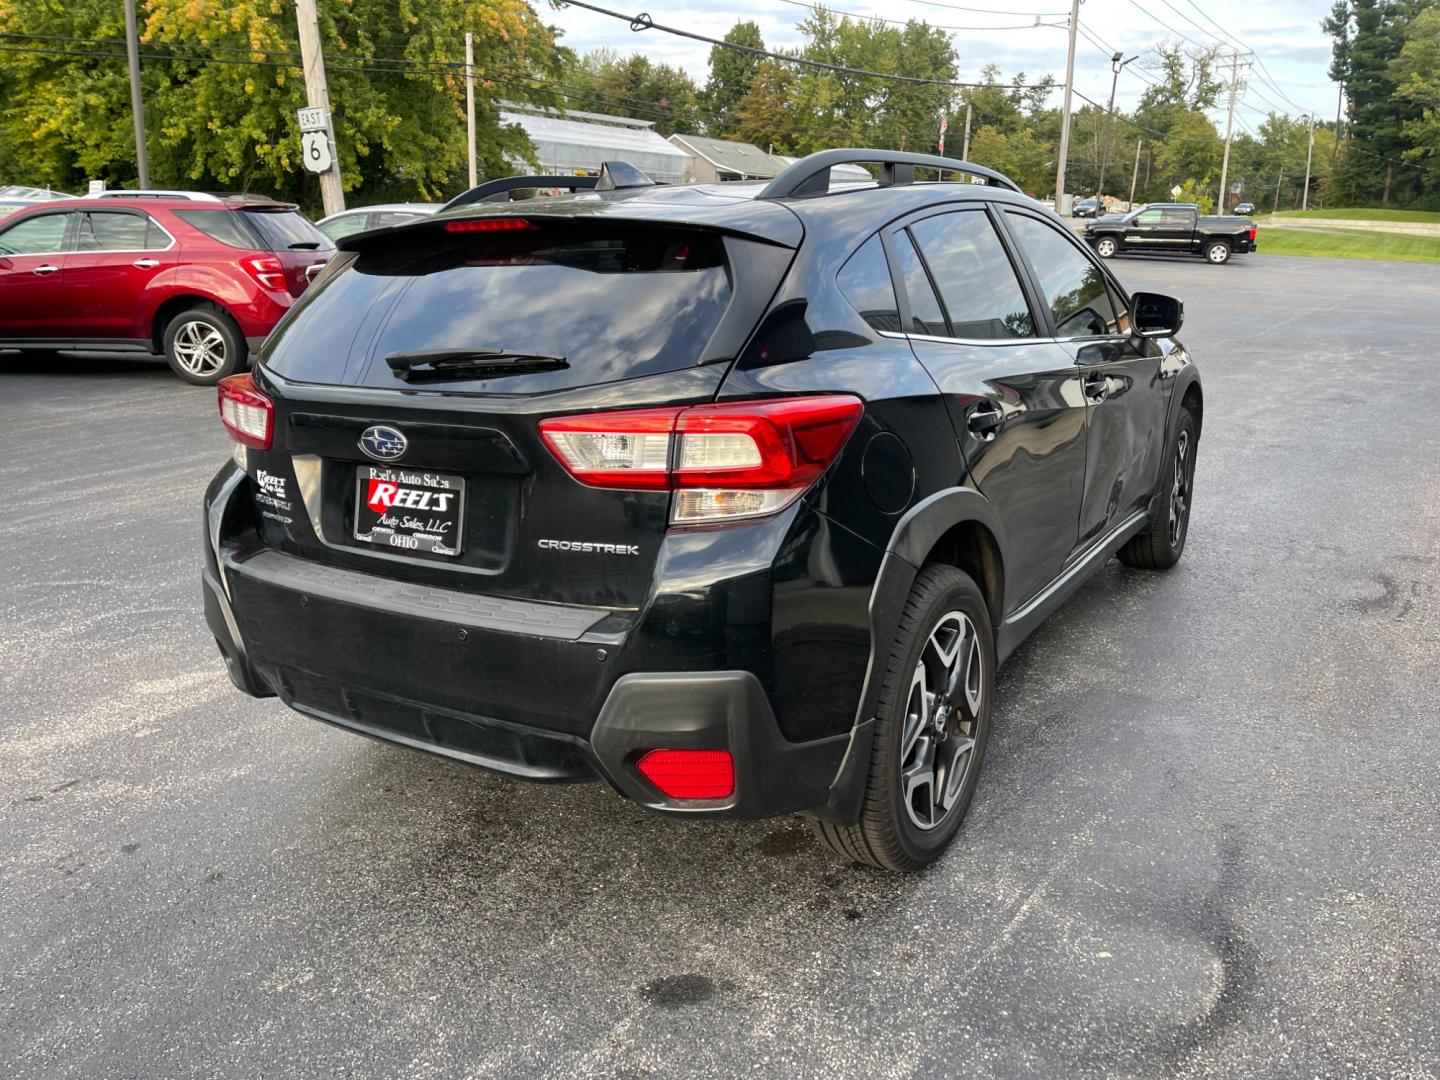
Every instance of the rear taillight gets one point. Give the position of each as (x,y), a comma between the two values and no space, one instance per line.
(736,460)
(1252,232)
(265,269)
(690,774)
(248,415)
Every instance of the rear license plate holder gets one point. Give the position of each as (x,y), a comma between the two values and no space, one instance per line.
(409,511)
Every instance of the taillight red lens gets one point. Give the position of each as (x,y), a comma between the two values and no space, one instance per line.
(739,459)
(1252,232)
(266,269)
(690,774)
(248,415)
(495,224)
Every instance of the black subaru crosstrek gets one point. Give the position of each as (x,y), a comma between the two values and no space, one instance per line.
(732,496)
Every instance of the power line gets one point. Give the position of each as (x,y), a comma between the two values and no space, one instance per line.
(645,22)
(905,22)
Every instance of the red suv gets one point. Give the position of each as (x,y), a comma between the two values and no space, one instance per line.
(201,278)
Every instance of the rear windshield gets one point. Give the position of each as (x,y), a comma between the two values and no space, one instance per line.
(285,230)
(614,301)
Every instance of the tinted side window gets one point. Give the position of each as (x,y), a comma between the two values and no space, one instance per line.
(222,225)
(41,235)
(115,231)
(926,315)
(345,225)
(392,217)
(1177,219)
(1073,283)
(977,283)
(1148,219)
(865,282)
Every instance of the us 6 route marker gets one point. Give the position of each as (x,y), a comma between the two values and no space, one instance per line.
(315,140)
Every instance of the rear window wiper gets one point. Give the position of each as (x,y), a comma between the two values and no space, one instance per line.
(426,364)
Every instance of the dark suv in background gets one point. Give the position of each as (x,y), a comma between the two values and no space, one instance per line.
(201,278)
(731,496)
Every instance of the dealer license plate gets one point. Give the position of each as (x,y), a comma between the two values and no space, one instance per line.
(409,510)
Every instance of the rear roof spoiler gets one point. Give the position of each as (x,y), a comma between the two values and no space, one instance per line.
(495,190)
(810,176)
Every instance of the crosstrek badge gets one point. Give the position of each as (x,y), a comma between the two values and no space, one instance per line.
(387,495)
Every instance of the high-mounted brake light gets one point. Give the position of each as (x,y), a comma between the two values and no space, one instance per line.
(248,415)
(733,460)
(690,774)
(495,224)
(267,270)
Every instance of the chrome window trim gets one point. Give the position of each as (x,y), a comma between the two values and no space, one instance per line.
(124,251)
(990,342)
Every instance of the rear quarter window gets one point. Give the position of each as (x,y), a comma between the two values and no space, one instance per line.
(222,225)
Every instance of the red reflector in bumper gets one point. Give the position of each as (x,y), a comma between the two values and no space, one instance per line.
(690,774)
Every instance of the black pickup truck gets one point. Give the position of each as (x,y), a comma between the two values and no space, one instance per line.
(1171,228)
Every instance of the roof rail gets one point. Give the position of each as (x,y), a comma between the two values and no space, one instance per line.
(155,193)
(488,191)
(810,175)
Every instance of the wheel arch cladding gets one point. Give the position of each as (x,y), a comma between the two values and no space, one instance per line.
(969,546)
(1194,401)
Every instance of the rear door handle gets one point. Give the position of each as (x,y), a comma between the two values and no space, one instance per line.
(146,264)
(985,420)
(46,269)
(1097,387)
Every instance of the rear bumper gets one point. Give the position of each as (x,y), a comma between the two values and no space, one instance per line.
(296,630)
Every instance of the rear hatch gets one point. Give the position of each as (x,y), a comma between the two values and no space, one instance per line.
(457,344)
(301,248)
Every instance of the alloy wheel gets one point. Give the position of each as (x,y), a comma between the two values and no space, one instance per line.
(942,711)
(1106,248)
(200,348)
(1180,490)
(1219,253)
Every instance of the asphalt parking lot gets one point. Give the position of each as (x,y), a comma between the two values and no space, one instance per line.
(1206,841)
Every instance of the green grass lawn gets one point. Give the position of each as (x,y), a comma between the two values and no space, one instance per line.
(1357,244)
(1369,213)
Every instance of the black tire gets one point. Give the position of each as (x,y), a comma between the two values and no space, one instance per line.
(203,345)
(1217,252)
(1106,247)
(1162,543)
(887,834)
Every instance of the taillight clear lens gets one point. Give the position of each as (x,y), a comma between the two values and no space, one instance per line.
(736,460)
(248,415)
(267,270)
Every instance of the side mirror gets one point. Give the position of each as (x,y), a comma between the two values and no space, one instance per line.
(1155,315)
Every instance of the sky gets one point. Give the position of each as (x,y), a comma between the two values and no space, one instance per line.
(1284,35)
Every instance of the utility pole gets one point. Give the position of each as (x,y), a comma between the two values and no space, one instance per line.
(1309,153)
(470,102)
(317,96)
(1135,172)
(965,151)
(137,103)
(1117,65)
(1278,178)
(1229,127)
(1065,110)
(1335,146)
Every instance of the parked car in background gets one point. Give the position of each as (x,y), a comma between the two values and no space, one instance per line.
(1245,209)
(1087,208)
(362,218)
(14,197)
(201,278)
(1170,229)
(731,496)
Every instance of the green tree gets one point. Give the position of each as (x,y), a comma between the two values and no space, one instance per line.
(762,116)
(222,84)
(1417,76)
(634,86)
(731,74)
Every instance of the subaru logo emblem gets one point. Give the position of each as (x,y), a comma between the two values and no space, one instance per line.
(384,443)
